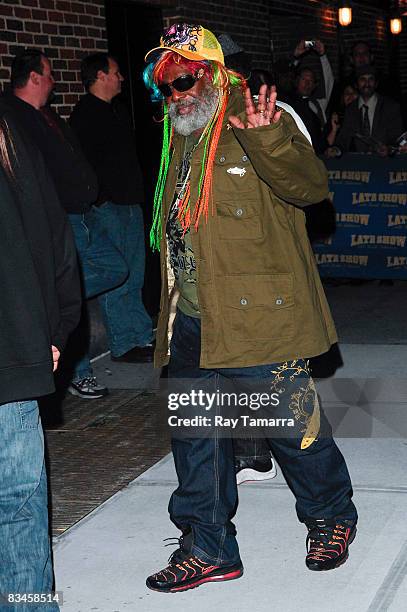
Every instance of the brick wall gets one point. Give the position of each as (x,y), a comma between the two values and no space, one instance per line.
(65,30)
(247,22)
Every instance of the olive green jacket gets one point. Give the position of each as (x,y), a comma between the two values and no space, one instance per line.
(259,290)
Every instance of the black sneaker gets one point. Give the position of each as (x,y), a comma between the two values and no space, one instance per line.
(186,571)
(87,388)
(328,544)
(254,468)
(138,354)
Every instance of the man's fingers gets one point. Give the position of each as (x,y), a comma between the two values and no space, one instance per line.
(236,122)
(263,113)
(271,105)
(262,101)
(276,116)
(250,108)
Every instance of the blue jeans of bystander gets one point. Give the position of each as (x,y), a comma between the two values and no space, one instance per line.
(126,320)
(102,267)
(25,555)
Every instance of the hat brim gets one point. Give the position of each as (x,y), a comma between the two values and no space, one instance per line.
(190,55)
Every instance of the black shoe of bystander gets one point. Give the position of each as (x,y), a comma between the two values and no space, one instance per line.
(254,468)
(138,354)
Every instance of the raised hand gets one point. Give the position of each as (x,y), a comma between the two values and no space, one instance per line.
(265,113)
(300,49)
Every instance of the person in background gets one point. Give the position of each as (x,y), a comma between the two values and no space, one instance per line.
(236,58)
(103,127)
(305,100)
(40,305)
(362,54)
(372,122)
(102,266)
(348,95)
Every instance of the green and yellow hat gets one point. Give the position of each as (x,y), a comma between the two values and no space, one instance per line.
(191,41)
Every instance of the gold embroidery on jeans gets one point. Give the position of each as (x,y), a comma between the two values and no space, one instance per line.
(293,368)
(313,421)
(301,399)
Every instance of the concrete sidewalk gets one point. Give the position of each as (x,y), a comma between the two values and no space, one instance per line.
(102,562)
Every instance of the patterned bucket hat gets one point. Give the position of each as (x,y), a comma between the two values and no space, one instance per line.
(191,41)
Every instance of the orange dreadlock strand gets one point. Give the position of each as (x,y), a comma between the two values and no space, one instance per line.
(184,215)
(202,206)
(186,224)
(212,204)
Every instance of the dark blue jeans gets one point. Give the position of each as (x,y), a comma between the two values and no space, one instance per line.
(206,498)
(125,317)
(102,268)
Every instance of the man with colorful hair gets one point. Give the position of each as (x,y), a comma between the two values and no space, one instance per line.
(234,176)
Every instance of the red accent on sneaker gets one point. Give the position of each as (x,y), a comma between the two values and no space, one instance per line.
(229,576)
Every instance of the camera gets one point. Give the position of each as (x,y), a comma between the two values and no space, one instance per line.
(402,140)
(309,44)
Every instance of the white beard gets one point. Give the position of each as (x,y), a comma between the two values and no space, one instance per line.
(205,106)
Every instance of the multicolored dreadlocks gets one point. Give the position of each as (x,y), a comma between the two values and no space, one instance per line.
(222,78)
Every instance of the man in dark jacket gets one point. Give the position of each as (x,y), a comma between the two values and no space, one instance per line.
(362,54)
(76,184)
(104,130)
(304,100)
(372,122)
(39,307)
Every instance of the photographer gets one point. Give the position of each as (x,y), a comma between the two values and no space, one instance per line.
(305,100)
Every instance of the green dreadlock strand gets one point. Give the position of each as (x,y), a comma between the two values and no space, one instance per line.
(235,80)
(156,230)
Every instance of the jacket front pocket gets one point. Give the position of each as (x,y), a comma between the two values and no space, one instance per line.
(260,306)
(240,221)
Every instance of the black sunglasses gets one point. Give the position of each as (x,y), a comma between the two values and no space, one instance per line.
(181,84)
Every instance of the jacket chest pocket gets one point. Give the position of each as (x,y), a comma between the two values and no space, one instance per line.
(260,307)
(239,221)
(233,174)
